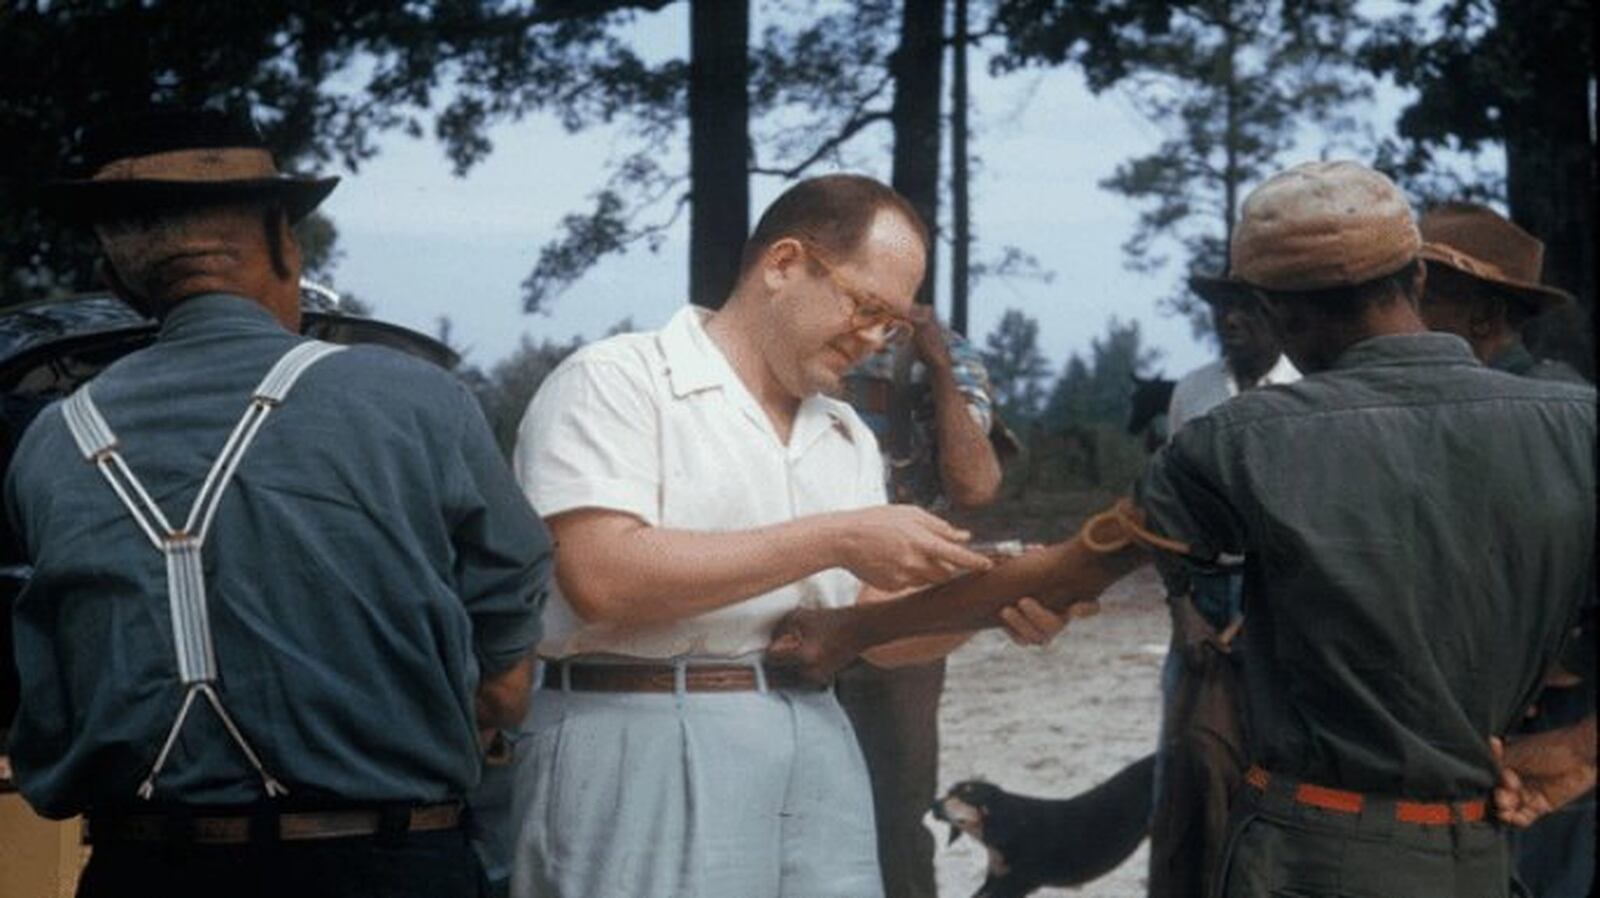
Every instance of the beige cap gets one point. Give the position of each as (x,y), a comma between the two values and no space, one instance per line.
(1318,225)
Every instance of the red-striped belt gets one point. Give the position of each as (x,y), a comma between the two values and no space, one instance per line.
(1340,801)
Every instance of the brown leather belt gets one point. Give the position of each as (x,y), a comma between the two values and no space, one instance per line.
(291,826)
(1341,801)
(581,677)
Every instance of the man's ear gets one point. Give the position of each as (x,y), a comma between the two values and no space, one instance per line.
(108,275)
(781,261)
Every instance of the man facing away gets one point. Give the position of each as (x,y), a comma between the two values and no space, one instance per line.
(279,586)
(701,484)
(930,405)
(1483,286)
(1416,534)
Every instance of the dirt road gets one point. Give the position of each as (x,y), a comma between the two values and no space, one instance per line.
(1053,722)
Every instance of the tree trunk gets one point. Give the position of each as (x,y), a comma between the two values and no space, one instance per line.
(918,65)
(960,206)
(1550,176)
(719,146)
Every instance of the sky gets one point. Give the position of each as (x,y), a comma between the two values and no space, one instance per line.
(419,243)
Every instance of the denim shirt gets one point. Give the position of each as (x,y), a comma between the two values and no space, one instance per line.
(370,559)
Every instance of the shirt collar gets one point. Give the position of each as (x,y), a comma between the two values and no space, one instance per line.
(1282,371)
(1514,359)
(207,312)
(1431,348)
(696,363)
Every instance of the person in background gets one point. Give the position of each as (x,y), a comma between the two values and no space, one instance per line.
(1251,355)
(1483,286)
(931,408)
(280,587)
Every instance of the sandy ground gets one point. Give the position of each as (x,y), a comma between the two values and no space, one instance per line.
(1055,721)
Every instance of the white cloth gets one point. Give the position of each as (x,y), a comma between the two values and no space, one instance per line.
(658,425)
(1210,385)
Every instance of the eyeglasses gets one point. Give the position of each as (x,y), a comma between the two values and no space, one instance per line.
(866,313)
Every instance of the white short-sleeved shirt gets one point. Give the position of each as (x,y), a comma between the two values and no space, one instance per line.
(1212,384)
(658,425)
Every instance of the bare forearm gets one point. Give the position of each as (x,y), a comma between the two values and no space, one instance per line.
(644,574)
(969,471)
(502,697)
(1058,575)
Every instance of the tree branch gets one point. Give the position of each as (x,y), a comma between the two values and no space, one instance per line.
(851,129)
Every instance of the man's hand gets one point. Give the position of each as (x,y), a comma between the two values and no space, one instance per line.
(1030,623)
(928,338)
(816,642)
(892,547)
(1541,772)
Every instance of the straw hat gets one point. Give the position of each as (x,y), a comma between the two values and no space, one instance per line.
(1476,241)
(1315,226)
(169,158)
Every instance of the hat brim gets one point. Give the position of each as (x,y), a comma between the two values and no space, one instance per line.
(1539,296)
(84,201)
(1218,288)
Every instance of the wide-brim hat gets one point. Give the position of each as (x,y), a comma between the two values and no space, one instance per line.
(1316,226)
(1477,242)
(176,158)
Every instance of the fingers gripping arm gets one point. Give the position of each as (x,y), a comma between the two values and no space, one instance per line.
(1111,546)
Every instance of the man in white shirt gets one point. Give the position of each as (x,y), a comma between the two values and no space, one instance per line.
(1251,356)
(700,485)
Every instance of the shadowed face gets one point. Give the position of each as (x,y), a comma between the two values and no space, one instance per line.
(1244,331)
(830,313)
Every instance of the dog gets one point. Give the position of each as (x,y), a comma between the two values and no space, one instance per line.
(1036,842)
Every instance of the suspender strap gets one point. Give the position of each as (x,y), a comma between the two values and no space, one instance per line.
(186,588)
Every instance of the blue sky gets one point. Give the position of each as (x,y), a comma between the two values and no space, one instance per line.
(419,243)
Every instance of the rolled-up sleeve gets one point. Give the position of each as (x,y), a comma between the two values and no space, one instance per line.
(1183,497)
(589,440)
(504,558)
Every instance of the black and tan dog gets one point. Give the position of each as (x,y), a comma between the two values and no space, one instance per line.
(1036,842)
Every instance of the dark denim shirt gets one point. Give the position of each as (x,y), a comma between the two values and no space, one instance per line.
(371,557)
(1416,533)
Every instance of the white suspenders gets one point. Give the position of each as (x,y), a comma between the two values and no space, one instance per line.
(186,590)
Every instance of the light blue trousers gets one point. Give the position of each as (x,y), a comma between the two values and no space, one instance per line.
(697,795)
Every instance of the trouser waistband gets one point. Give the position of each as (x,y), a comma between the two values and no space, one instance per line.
(670,676)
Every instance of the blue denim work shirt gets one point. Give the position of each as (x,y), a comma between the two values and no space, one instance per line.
(371,557)
(1417,536)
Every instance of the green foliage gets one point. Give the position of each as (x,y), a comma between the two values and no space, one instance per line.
(319,247)
(1473,68)
(1233,82)
(1017,369)
(505,390)
(325,79)
(1100,391)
